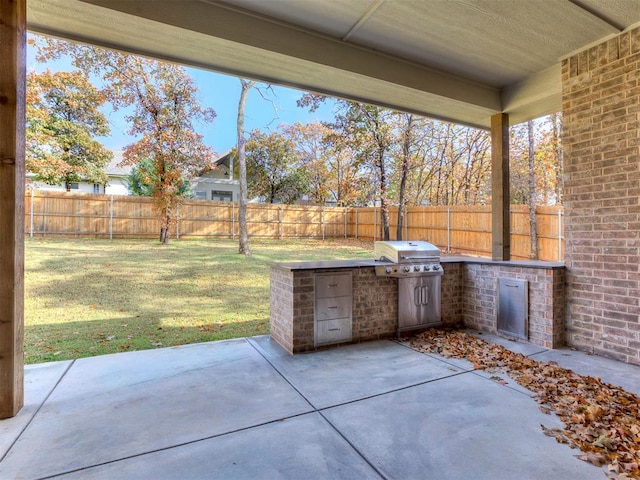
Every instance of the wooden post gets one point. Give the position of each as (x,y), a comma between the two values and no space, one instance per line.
(111,218)
(13,29)
(500,211)
(357,226)
(31,210)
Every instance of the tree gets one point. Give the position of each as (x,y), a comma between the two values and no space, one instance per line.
(165,110)
(406,134)
(312,152)
(533,224)
(142,181)
(332,167)
(370,127)
(366,129)
(63,117)
(246,85)
(273,169)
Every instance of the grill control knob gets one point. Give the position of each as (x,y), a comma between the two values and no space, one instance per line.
(436,268)
(426,268)
(416,268)
(407,269)
(388,269)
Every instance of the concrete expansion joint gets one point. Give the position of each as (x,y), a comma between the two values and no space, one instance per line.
(37,410)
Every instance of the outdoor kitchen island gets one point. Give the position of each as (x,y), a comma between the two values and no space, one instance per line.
(469,296)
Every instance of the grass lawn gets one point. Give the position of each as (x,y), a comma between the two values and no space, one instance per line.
(86,297)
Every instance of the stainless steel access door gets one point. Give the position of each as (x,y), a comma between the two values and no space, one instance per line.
(418,302)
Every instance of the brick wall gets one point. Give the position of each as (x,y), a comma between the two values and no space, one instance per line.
(601,108)
(281,301)
(375,305)
(374,313)
(468,293)
(452,293)
(479,292)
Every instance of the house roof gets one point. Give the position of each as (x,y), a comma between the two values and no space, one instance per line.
(113,169)
(222,160)
(459,60)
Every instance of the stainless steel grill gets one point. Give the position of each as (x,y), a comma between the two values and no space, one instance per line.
(417,267)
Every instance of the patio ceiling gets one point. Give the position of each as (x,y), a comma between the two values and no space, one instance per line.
(459,60)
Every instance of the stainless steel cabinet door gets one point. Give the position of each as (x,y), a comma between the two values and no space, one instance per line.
(418,302)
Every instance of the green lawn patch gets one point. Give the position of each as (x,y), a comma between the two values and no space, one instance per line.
(88,297)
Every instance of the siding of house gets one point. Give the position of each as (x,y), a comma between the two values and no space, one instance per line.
(116,186)
(203,187)
(601,105)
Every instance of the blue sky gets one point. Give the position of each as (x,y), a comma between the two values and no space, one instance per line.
(220,92)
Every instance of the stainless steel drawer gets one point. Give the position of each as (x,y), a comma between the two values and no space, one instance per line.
(329,308)
(333,331)
(338,285)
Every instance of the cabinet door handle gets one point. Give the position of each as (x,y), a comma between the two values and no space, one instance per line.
(334,329)
(335,306)
(332,285)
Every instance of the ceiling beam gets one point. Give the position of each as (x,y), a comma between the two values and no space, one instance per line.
(599,15)
(216,37)
(371,10)
(246,28)
(539,94)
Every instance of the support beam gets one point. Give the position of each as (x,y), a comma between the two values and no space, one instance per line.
(500,211)
(221,37)
(12,143)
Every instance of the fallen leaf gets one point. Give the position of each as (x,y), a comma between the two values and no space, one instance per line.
(600,419)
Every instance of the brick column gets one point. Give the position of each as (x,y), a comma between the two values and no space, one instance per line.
(601,107)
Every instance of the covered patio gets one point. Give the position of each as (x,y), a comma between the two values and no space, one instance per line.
(486,64)
(245,408)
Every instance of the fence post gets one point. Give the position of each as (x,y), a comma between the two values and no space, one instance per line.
(31,209)
(178,223)
(448,230)
(357,223)
(375,222)
(406,223)
(559,235)
(344,215)
(281,220)
(233,222)
(111,217)
(322,221)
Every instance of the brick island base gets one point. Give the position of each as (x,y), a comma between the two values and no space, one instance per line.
(469,297)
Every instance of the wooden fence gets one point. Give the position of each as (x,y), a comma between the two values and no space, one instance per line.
(456,229)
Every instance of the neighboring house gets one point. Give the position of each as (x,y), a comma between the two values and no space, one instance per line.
(217,182)
(117,184)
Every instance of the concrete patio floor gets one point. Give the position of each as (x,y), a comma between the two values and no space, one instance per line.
(246,409)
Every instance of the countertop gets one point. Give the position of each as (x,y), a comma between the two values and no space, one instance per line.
(328,264)
(336,264)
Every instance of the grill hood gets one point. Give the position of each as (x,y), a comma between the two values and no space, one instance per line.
(406,251)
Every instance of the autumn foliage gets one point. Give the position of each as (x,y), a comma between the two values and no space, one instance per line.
(600,419)
(164,109)
(63,119)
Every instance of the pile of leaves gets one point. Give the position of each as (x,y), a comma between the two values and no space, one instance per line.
(600,419)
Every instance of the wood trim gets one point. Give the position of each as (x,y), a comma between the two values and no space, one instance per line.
(12,148)
(500,195)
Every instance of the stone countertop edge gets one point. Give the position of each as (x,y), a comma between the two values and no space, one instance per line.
(508,263)
(327,264)
(335,264)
